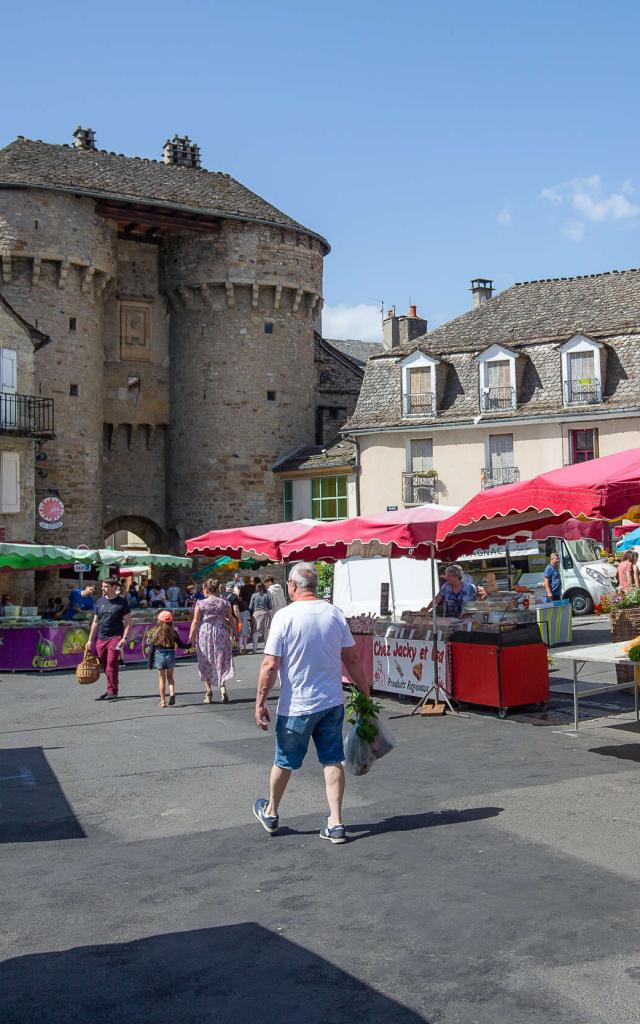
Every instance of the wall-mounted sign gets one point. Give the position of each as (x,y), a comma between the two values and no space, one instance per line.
(51,513)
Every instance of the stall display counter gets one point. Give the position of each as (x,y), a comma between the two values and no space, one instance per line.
(48,646)
(498,659)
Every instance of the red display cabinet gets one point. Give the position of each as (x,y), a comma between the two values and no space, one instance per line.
(487,671)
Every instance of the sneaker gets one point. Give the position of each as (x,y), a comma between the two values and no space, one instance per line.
(103,696)
(335,834)
(269,824)
(111,696)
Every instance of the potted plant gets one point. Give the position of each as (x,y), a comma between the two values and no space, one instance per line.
(624,611)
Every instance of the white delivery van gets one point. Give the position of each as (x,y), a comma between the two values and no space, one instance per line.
(586,575)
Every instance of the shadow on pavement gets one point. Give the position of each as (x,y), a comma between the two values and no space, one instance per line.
(625,751)
(34,807)
(404,823)
(236,974)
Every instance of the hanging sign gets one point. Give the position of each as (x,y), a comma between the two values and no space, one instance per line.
(51,513)
(406,666)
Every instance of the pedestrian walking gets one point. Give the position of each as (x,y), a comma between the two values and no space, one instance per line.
(162,655)
(552,579)
(625,573)
(276,593)
(635,569)
(212,627)
(111,624)
(308,642)
(245,622)
(260,608)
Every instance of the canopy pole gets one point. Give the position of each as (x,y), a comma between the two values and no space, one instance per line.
(391,588)
(509,568)
(435,687)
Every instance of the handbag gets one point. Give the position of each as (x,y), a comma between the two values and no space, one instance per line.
(88,671)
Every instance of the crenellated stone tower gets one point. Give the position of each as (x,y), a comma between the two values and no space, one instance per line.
(181,308)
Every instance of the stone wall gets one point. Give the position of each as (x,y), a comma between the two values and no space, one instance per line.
(244,303)
(57,258)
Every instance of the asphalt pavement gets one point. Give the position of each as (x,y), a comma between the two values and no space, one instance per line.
(490,876)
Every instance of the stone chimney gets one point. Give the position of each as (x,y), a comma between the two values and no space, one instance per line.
(399,330)
(85,138)
(481,290)
(180,151)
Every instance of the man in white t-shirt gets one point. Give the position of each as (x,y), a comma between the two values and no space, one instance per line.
(307,643)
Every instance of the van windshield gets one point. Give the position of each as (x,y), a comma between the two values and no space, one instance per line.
(584,550)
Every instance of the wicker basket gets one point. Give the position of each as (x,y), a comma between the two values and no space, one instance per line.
(88,671)
(625,625)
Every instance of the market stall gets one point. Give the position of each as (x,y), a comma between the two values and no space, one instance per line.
(31,642)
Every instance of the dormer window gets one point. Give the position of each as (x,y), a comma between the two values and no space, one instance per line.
(581,371)
(419,385)
(497,379)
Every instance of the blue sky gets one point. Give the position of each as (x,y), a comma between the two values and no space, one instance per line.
(429,142)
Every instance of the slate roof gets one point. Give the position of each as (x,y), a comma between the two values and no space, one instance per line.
(358,351)
(35,164)
(541,310)
(337,455)
(38,338)
(533,318)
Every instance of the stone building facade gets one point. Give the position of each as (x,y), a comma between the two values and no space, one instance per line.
(542,374)
(181,307)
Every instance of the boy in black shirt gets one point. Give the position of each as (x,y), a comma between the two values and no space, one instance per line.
(112,624)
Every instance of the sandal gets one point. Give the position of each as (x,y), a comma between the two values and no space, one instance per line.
(172,699)
(224,696)
(208,697)
(163,704)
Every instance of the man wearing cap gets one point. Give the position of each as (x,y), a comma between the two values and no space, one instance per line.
(112,625)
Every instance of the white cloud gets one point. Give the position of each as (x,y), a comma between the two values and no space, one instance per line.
(505,217)
(363,322)
(588,198)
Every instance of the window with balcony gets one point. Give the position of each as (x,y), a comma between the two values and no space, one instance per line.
(329,498)
(497,379)
(499,468)
(419,483)
(583,445)
(418,385)
(23,415)
(581,371)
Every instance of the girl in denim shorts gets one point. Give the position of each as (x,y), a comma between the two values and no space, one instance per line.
(162,655)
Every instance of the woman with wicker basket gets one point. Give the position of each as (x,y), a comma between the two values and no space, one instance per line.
(212,627)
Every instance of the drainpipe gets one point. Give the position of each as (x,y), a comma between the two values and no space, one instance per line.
(357,467)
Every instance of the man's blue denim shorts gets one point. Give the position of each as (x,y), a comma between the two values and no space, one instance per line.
(293,733)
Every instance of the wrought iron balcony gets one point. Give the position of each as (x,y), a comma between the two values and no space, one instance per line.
(419,405)
(420,489)
(26,415)
(582,392)
(497,399)
(490,477)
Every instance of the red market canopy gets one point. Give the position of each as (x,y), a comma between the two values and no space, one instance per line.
(410,531)
(261,542)
(606,488)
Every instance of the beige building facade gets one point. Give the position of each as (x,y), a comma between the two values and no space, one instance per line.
(544,374)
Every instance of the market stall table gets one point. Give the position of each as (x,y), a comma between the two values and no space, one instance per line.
(607,654)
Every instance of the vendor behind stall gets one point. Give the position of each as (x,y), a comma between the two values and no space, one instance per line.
(456,591)
(80,600)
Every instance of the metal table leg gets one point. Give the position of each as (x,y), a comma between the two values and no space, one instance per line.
(575,695)
(636,683)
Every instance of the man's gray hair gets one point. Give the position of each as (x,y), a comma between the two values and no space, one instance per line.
(305,577)
(455,570)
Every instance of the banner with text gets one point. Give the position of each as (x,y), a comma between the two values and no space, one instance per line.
(406,666)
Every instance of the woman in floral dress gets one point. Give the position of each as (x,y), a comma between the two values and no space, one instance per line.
(212,627)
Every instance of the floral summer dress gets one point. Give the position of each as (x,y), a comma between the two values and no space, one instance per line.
(213,645)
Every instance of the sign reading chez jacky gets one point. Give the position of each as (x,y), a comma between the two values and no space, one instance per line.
(406,666)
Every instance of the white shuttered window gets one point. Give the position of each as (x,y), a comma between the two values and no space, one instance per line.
(9,482)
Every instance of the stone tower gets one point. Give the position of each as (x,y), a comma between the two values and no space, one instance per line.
(181,308)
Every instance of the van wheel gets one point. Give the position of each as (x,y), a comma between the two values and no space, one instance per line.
(581,603)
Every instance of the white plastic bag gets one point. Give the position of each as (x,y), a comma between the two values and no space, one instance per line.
(358,753)
(383,742)
(361,754)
